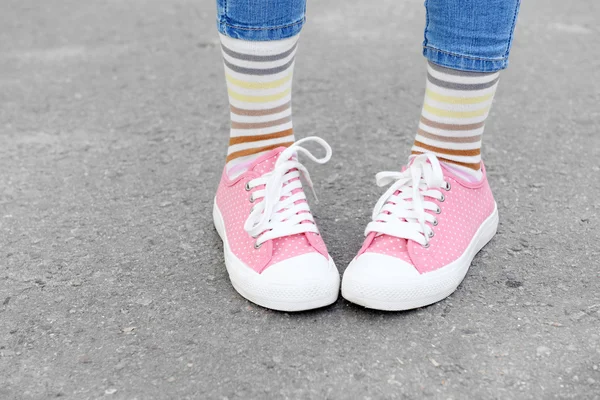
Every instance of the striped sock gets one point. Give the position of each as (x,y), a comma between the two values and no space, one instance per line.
(455,108)
(259,83)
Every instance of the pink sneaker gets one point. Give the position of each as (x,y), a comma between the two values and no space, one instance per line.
(425,231)
(274,253)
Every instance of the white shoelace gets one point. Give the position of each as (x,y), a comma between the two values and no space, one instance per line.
(402,211)
(282,213)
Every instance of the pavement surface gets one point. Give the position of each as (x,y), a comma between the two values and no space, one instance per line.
(113,127)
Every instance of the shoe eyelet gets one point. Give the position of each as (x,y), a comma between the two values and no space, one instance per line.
(438,211)
(442,198)
(425,246)
(257,246)
(447,187)
(435,222)
(247,187)
(430,234)
(251,199)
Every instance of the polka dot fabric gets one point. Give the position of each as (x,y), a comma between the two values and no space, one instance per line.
(466,207)
(387,245)
(233,201)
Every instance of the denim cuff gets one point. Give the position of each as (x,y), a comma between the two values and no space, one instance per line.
(260,34)
(462,62)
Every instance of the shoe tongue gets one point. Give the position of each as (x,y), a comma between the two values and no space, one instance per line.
(300,242)
(265,163)
(411,160)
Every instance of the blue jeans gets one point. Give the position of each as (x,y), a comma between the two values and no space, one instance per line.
(468,35)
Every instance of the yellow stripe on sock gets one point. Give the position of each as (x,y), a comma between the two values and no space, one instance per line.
(258,85)
(455,114)
(258,99)
(457,100)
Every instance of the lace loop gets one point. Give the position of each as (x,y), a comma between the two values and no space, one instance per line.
(402,211)
(281,211)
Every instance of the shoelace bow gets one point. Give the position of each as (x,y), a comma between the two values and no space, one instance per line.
(402,211)
(282,212)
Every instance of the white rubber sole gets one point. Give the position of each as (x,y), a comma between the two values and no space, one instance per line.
(427,288)
(261,290)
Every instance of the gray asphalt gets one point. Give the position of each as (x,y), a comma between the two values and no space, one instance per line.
(113,127)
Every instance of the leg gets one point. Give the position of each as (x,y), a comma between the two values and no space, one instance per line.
(439,211)
(273,250)
(259,39)
(466,42)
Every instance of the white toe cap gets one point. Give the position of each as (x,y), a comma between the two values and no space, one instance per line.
(379,269)
(299,283)
(300,270)
(382,282)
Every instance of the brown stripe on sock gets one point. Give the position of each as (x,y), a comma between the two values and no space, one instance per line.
(450,152)
(259,113)
(452,127)
(257,150)
(449,139)
(257,138)
(473,166)
(260,125)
